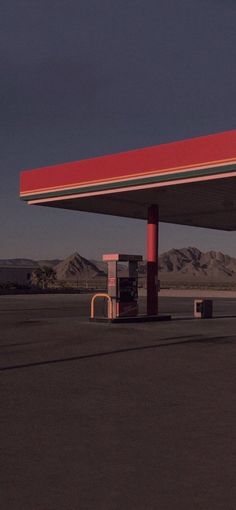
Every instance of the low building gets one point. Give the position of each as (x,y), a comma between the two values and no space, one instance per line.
(15,276)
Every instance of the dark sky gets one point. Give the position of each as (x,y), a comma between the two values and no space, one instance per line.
(81,78)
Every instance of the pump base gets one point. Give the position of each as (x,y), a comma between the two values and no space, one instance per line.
(139,318)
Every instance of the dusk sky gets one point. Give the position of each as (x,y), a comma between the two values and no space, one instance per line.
(83,78)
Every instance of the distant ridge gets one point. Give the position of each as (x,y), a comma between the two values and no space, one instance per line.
(28,263)
(18,263)
(191,262)
(185,264)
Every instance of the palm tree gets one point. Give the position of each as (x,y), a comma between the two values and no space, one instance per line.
(44,277)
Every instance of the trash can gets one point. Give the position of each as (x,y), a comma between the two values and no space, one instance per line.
(203,308)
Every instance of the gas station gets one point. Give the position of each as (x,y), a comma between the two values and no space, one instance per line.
(190,182)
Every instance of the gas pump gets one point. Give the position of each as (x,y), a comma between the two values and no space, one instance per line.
(123,290)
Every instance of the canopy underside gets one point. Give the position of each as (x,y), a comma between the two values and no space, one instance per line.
(209,204)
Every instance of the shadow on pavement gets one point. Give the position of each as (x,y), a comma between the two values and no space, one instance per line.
(169,342)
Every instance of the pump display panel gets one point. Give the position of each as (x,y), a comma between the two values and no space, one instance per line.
(127,289)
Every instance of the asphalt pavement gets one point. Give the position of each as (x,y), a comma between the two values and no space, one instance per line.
(116,417)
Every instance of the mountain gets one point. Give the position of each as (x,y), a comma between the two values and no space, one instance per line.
(77,267)
(18,263)
(192,263)
(176,265)
(28,263)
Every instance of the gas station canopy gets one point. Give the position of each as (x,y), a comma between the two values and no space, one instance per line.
(193,182)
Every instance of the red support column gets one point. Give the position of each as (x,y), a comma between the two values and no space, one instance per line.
(152,260)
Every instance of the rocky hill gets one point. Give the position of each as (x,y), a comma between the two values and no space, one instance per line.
(192,263)
(176,265)
(77,267)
